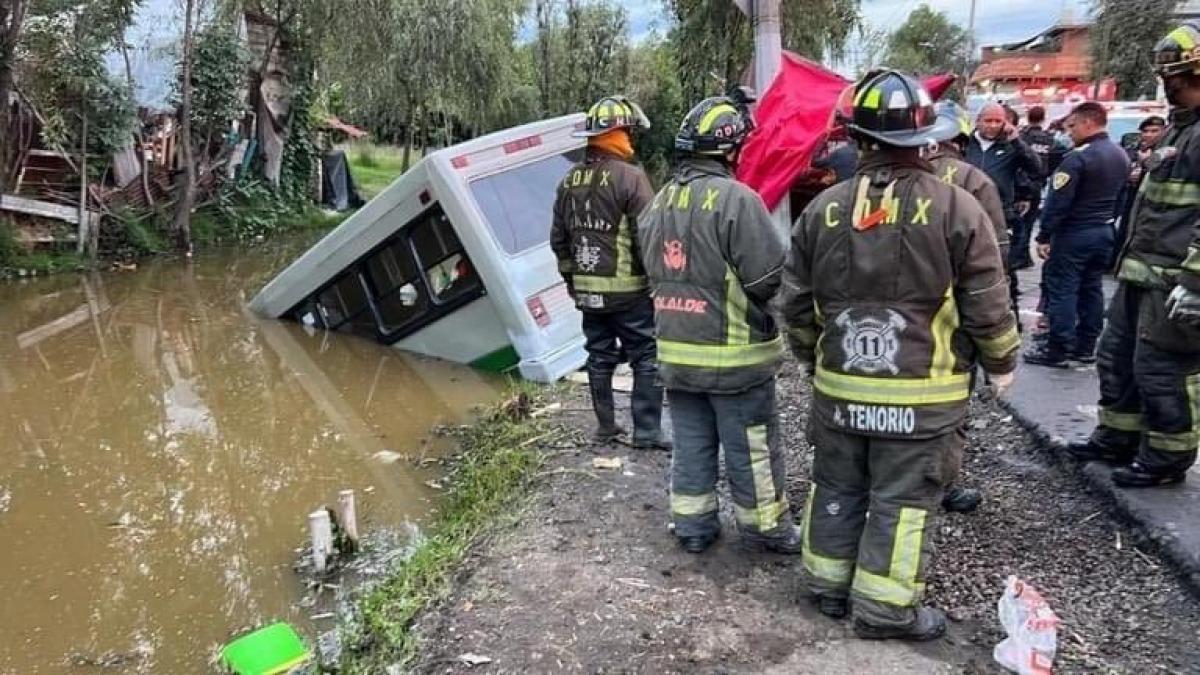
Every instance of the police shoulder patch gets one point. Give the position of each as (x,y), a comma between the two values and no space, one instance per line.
(1061,178)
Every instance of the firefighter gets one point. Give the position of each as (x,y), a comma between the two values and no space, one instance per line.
(893,291)
(1076,239)
(946,158)
(594,237)
(1149,353)
(714,259)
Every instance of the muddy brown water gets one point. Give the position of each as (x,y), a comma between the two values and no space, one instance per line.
(160,449)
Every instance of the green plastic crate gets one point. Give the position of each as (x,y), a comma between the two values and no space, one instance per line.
(271,650)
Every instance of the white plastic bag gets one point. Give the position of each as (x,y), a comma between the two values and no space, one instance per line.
(1032,629)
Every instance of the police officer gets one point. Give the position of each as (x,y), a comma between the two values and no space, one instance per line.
(1041,142)
(893,290)
(714,260)
(1149,353)
(594,237)
(1150,131)
(1076,238)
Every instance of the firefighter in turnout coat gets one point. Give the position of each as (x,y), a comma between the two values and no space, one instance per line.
(893,291)
(594,237)
(1148,358)
(714,260)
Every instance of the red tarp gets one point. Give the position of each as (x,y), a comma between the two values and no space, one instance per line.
(794,119)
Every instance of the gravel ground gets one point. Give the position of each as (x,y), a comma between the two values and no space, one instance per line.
(589,580)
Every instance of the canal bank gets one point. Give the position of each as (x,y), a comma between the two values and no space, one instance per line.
(579,574)
(162,449)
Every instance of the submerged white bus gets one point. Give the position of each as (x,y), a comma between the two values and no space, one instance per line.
(452,260)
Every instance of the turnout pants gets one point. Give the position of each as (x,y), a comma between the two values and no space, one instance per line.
(1149,371)
(746,426)
(869,518)
(615,336)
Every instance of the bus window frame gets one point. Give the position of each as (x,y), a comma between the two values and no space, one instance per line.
(435,309)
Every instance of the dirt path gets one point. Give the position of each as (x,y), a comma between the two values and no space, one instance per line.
(591,581)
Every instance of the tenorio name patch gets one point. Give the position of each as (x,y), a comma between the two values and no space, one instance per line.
(883,419)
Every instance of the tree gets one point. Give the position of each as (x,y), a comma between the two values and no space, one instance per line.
(927,43)
(12,21)
(1122,38)
(181,225)
(582,53)
(715,41)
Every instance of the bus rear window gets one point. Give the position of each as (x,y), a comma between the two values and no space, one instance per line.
(518,203)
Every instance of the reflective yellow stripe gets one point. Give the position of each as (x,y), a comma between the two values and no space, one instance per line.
(624,249)
(609,284)
(806,336)
(1186,441)
(737,331)
(1137,272)
(767,508)
(892,390)
(900,586)
(832,570)
(693,505)
(873,98)
(710,117)
(1192,262)
(719,356)
(1000,346)
(1180,35)
(945,322)
(1171,192)
(763,517)
(1122,421)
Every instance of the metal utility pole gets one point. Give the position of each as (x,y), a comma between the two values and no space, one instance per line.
(768,55)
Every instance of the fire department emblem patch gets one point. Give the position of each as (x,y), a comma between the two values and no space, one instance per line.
(673,256)
(871,344)
(587,257)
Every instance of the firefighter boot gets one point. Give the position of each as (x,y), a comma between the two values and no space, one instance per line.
(600,384)
(785,538)
(1137,476)
(832,606)
(1091,451)
(930,624)
(647,405)
(961,499)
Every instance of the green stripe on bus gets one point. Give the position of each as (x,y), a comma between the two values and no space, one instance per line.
(500,361)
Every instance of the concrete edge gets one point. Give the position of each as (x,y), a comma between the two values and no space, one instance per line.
(1185,563)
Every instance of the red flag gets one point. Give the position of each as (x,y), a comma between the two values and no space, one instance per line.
(937,85)
(794,118)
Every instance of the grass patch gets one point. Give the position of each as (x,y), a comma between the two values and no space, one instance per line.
(374,167)
(496,462)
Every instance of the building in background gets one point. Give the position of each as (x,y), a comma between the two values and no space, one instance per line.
(1053,66)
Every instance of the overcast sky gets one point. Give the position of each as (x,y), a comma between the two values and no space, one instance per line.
(996,21)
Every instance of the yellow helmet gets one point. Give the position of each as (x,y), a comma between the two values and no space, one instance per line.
(613,112)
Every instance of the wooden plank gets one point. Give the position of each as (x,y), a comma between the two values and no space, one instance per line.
(36,207)
(48,330)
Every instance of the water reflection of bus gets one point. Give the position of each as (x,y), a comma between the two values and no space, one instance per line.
(452,260)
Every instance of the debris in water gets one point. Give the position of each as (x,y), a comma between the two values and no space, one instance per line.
(433,484)
(612,463)
(5,499)
(474,659)
(387,457)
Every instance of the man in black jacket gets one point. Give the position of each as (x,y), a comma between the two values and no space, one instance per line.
(997,148)
(1042,143)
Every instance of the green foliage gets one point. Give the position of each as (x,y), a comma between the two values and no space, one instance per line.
(929,43)
(1122,38)
(580,53)
(715,41)
(62,71)
(374,167)
(495,463)
(218,78)
(654,84)
(138,235)
(244,211)
(9,249)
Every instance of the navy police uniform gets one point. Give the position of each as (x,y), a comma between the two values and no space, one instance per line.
(1077,222)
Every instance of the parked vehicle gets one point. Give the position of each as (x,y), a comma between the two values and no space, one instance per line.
(452,260)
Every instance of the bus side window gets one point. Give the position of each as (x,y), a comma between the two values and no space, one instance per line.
(394,274)
(344,305)
(448,273)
